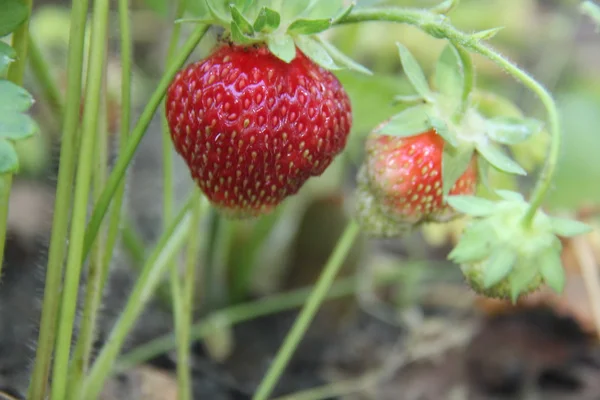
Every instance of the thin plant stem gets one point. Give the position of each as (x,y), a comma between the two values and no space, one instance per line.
(42,72)
(171,241)
(137,134)
(437,26)
(16,71)
(70,297)
(96,270)
(133,243)
(302,322)
(280,302)
(168,189)
(62,207)
(215,276)
(114,225)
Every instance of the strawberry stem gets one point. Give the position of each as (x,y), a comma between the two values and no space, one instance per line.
(308,312)
(439,27)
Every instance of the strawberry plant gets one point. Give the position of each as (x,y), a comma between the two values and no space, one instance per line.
(255,105)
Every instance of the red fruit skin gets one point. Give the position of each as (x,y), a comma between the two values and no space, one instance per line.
(252,128)
(405,176)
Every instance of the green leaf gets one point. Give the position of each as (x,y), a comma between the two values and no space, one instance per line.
(7,56)
(267,20)
(244,25)
(13,13)
(455,161)
(512,130)
(342,59)
(409,122)
(308,26)
(486,34)
(16,126)
(441,128)
(449,78)
(568,227)
(218,11)
(510,195)
(498,266)
(472,205)
(413,71)
(238,36)
(14,97)
(344,13)
(294,8)
(499,160)
(409,99)
(313,50)
(475,243)
(282,46)
(522,276)
(552,270)
(9,161)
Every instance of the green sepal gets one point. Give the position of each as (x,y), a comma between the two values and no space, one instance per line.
(408,99)
(316,52)
(9,160)
(344,13)
(510,195)
(568,227)
(475,243)
(512,130)
(13,13)
(441,128)
(219,15)
(498,159)
(413,72)
(242,23)
(238,35)
(472,205)
(267,20)
(449,79)
(342,59)
(7,56)
(16,126)
(308,26)
(409,122)
(498,266)
(13,97)
(282,47)
(486,34)
(521,278)
(483,172)
(552,270)
(455,161)
(295,8)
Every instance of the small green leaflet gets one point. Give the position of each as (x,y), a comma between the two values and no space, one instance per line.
(16,126)
(441,128)
(472,205)
(475,243)
(308,26)
(449,78)
(413,71)
(7,56)
(568,227)
(342,59)
(244,25)
(552,269)
(238,35)
(498,159)
(455,161)
(512,130)
(498,266)
(267,20)
(521,277)
(282,46)
(313,50)
(9,161)
(409,122)
(218,11)
(14,12)
(486,34)
(13,97)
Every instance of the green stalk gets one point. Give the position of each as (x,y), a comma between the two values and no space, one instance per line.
(81,202)
(62,207)
(42,72)
(97,270)
(308,312)
(171,241)
(137,134)
(239,313)
(438,27)
(15,74)
(215,277)
(114,225)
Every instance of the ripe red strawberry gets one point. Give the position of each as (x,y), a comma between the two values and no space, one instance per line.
(404,178)
(253,128)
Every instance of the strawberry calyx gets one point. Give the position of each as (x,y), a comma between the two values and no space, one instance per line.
(502,257)
(282,28)
(451,111)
